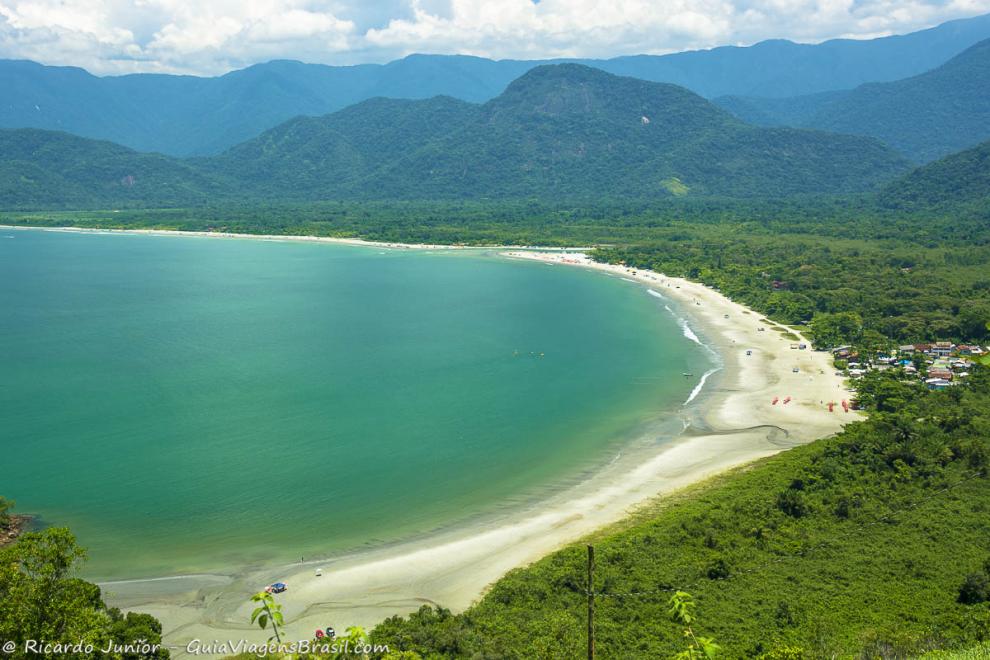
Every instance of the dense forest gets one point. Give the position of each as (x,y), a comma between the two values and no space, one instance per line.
(42,602)
(559,132)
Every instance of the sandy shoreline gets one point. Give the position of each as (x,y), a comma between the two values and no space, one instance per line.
(739,423)
(282,238)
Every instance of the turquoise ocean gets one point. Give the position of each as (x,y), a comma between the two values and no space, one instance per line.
(187,404)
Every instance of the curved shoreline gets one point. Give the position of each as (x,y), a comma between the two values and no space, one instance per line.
(732,422)
(294,238)
(455,567)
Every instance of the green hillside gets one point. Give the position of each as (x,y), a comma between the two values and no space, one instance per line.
(924,117)
(49,169)
(565,131)
(959,181)
(561,132)
(324,156)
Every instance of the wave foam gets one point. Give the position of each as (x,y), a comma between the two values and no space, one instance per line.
(701,383)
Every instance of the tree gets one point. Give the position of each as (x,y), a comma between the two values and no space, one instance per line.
(5,507)
(975,589)
(41,599)
(883,391)
(830,330)
(792,503)
(973,322)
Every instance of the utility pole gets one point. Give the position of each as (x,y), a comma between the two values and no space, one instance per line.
(591,602)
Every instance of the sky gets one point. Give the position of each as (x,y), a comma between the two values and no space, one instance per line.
(210,37)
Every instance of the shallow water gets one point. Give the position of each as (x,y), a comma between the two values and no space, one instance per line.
(188,404)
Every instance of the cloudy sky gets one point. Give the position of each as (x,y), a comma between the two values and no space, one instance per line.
(215,36)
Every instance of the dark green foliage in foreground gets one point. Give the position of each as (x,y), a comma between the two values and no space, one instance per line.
(40,599)
(857,544)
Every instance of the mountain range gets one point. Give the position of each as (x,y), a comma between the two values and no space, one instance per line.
(925,117)
(959,181)
(188,115)
(562,131)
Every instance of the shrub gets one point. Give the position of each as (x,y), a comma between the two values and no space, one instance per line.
(975,589)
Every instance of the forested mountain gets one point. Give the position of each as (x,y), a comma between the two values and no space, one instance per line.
(795,111)
(46,169)
(959,181)
(925,117)
(187,115)
(313,154)
(559,132)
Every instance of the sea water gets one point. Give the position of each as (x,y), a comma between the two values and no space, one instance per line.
(187,404)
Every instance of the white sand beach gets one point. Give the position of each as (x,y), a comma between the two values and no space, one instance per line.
(740,422)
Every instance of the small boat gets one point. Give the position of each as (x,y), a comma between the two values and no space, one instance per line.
(686,374)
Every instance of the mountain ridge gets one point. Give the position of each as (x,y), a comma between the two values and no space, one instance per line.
(189,115)
(927,116)
(562,131)
(958,182)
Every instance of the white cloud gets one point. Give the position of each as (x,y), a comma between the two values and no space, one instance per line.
(214,36)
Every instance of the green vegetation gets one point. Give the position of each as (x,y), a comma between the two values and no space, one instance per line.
(980,652)
(5,507)
(837,549)
(558,132)
(40,599)
(675,187)
(186,115)
(45,169)
(960,182)
(924,117)
(267,611)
